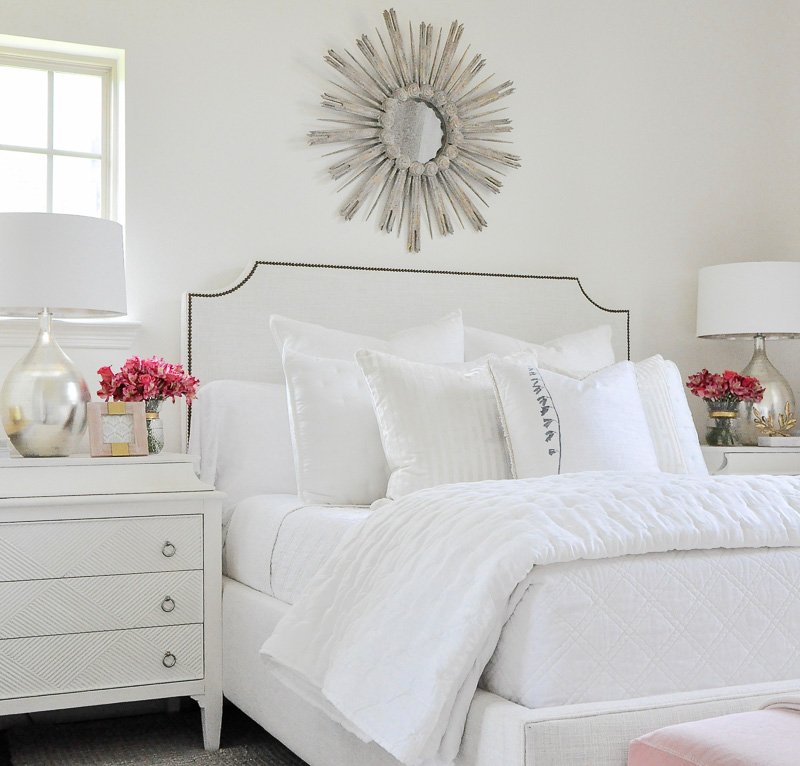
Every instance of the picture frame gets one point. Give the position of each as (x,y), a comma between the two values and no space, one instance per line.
(117,429)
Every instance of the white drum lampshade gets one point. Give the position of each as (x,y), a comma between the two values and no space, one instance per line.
(54,266)
(729,307)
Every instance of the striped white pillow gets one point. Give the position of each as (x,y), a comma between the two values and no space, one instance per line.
(438,424)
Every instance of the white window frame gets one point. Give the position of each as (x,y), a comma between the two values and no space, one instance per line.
(109,69)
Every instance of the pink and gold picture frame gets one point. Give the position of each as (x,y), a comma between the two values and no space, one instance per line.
(117,429)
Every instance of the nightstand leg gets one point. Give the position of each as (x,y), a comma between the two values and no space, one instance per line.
(211,709)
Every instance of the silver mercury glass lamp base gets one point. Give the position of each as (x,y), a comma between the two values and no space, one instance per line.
(777,392)
(43,400)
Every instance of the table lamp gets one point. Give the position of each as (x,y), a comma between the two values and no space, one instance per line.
(759,300)
(54,266)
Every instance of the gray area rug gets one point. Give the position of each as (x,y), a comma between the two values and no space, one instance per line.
(148,740)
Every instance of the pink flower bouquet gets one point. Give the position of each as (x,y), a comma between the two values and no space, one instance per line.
(724,392)
(140,380)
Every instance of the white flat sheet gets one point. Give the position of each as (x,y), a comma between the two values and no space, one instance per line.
(274,543)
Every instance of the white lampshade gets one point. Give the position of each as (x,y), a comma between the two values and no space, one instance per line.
(739,300)
(71,264)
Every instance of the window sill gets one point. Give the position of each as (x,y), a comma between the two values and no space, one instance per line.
(98,333)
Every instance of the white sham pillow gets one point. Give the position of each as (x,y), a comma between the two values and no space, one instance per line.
(586,351)
(338,456)
(438,424)
(438,342)
(555,424)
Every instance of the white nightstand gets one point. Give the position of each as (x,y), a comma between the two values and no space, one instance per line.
(110,584)
(752,460)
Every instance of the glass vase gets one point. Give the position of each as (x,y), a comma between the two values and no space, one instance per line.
(723,427)
(155,428)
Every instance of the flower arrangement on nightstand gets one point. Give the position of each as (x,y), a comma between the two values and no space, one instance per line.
(723,394)
(150,381)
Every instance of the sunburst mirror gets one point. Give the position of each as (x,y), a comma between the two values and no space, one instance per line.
(420,134)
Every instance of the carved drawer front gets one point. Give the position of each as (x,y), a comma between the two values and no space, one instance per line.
(114,602)
(81,662)
(52,549)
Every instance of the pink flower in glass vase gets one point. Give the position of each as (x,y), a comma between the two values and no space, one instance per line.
(725,391)
(145,380)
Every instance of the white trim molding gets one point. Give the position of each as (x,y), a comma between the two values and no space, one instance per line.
(97,333)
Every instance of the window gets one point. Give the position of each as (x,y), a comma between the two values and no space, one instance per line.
(57,133)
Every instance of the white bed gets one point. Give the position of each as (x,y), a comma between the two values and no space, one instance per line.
(581,702)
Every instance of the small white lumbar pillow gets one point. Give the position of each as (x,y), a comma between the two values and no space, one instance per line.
(555,424)
(438,424)
(439,342)
(586,351)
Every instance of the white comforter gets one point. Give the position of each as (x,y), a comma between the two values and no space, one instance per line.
(395,628)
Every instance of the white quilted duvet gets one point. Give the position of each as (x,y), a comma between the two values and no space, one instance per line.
(394,630)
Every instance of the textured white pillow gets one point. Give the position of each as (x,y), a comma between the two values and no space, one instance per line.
(438,424)
(240,429)
(338,455)
(555,424)
(687,433)
(438,342)
(651,378)
(586,351)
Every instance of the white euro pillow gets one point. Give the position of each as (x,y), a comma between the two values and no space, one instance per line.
(438,424)
(556,424)
(586,351)
(438,342)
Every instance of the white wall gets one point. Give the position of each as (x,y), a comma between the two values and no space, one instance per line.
(657,137)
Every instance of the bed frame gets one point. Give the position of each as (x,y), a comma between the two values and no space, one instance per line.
(226,335)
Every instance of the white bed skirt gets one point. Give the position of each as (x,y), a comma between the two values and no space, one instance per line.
(498,732)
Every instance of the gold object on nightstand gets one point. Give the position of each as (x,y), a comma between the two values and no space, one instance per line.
(766,424)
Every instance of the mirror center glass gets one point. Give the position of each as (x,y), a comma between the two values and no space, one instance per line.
(418,130)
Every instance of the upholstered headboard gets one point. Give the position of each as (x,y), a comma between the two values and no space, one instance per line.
(227,336)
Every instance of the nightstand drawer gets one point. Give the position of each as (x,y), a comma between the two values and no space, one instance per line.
(50,549)
(89,604)
(86,661)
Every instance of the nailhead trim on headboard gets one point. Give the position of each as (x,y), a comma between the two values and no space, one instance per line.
(248,276)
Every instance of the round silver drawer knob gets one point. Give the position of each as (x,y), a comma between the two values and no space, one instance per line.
(169,660)
(168,604)
(168,549)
